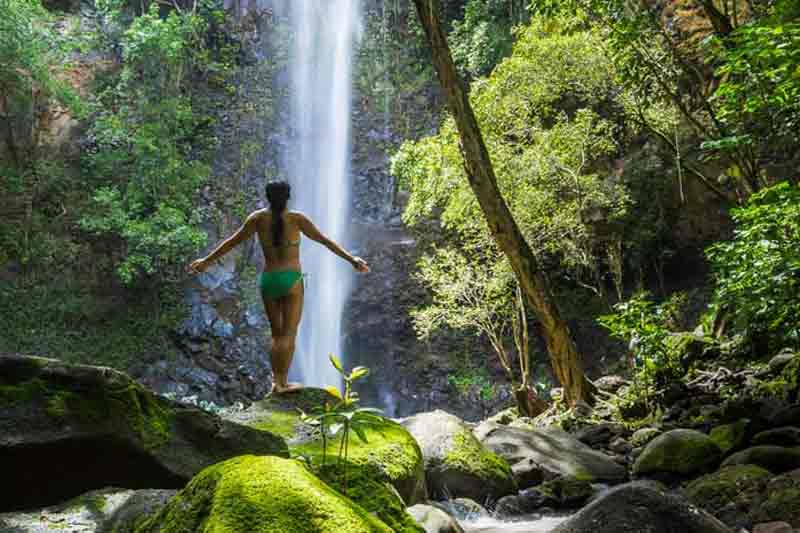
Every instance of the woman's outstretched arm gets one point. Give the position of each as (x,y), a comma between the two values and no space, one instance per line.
(310,230)
(244,232)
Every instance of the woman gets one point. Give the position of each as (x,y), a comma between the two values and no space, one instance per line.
(279,232)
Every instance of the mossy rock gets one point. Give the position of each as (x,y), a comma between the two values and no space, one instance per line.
(108,510)
(731,437)
(730,493)
(644,435)
(384,475)
(776,459)
(781,500)
(84,427)
(261,495)
(682,452)
(456,463)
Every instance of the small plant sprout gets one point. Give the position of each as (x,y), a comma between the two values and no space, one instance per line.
(343,416)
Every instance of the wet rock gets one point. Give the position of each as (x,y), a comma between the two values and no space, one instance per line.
(777,363)
(84,427)
(456,463)
(629,507)
(730,493)
(434,519)
(108,509)
(787,436)
(776,459)
(681,452)
(462,508)
(553,450)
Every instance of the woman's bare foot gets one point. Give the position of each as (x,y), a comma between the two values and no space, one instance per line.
(289,387)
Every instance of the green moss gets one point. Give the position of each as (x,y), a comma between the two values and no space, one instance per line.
(121,402)
(737,485)
(283,423)
(261,495)
(783,505)
(383,474)
(730,437)
(390,458)
(468,455)
(680,451)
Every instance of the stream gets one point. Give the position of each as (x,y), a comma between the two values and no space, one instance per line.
(530,524)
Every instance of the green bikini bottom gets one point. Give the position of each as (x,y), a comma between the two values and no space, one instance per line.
(277,284)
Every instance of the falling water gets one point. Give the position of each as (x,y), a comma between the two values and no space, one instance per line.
(324,35)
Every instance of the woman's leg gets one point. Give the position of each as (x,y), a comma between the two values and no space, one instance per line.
(292,310)
(276,355)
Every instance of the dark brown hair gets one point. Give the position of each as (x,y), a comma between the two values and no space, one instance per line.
(278,193)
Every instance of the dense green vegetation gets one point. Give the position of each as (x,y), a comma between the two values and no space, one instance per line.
(613,132)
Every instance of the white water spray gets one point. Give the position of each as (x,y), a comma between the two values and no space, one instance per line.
(325,33)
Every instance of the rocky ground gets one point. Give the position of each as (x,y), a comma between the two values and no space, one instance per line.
(115,455)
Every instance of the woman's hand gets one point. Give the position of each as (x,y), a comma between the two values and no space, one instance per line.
(197,266)
(360,265)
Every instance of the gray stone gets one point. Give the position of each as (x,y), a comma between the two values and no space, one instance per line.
(552,449)
(527,473)
(777,363)
(610,383)
(681,452)
(456,463)
(434,519)
(641,506)
(620,446)
(776,459)
(598,434)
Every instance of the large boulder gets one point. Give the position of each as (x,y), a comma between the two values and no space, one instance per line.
(780,501)
(776,459)
(384,475)
(730,493)
(787,436)
(84,427)
(682,452)
(261,495)
(641,506)
(104,510)
(552,449)
(434,519)
(456,463)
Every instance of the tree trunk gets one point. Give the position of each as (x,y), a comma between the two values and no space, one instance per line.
(528,402)
(563,352)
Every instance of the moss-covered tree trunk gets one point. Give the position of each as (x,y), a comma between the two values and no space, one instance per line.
(563,352)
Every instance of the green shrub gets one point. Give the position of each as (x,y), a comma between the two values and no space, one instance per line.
(757,272)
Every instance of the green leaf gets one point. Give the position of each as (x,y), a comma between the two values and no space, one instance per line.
(337,364)
(359,372)
(333,391)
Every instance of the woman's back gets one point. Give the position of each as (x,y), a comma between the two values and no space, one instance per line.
(287,252)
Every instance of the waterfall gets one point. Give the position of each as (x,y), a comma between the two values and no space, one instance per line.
(324,36)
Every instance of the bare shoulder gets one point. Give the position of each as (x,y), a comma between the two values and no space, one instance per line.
(297,217)
(259,215)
